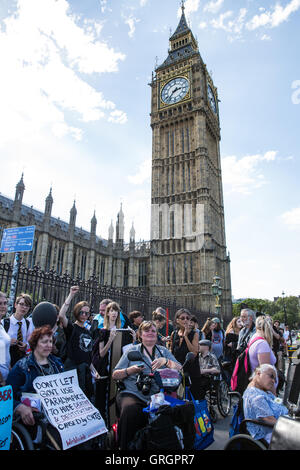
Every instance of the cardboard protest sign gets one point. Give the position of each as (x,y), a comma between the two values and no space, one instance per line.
(6,413)
(68,409)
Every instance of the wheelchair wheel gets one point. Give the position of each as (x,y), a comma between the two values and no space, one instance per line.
(223,398)
(244,442)
(20,438)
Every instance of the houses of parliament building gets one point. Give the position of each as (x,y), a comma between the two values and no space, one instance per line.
(187,245)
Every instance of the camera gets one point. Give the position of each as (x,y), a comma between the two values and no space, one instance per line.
(143,383)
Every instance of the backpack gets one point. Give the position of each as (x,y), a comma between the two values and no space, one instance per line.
(242,370)
(6,323)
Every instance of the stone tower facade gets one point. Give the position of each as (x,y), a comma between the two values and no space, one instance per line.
(188,246)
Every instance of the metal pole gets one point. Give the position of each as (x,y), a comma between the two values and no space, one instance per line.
(13,284)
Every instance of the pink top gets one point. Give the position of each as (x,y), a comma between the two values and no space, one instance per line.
(259,347)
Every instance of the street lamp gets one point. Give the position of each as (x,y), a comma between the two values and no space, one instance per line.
(217,291)
(284,308)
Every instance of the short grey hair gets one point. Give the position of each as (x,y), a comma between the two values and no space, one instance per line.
(262,368)
(250,313)
(161,310)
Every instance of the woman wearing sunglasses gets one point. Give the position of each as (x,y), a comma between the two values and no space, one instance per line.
(79,341)
(183,340)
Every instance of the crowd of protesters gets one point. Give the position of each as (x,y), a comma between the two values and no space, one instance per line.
(83,341)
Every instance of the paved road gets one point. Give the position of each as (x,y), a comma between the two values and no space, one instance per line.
(221,432)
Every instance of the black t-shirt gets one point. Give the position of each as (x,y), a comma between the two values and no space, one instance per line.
(79,343)
(180,350)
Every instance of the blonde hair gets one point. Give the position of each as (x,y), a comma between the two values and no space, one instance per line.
(265,328)
(113,306)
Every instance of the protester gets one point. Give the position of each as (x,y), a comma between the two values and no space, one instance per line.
(131,400)
(206,330)
(184,340)
(248,318)
(97,323)
(78,341)
(167,326)
(209,365)
(39,362)
(260,352)
(194,324)
(18,328)
(136,317)
(101,355)
(277,339)
(217,338)
(160,321)
(4,342)
(259,402)
(231,340)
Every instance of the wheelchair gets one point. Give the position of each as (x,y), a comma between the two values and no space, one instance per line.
(42,436)
(285,433)
(218,396)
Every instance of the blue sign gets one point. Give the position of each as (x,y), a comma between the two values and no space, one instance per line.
(6,413)
(17,239)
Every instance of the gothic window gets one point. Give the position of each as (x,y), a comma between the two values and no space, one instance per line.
(168,271)
(160,225)
(74,263)
(185,271)
(48,257)
(183,177)
(182,140)
(142,273)
(187,139)
(168,176)
(173,142)
(126,268)
(83,266)
(168,143)
(174,271)
(60,260)
(173,179)
(189,176)
(102,271)
(172,224)
(191,269)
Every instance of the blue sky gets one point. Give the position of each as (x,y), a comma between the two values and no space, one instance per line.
(75,106)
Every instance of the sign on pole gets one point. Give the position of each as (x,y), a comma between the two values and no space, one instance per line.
(17,239)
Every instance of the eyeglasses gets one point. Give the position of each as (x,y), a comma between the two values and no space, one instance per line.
(272,376)
(87,314)
(23,305)
(183,318)
(3,303)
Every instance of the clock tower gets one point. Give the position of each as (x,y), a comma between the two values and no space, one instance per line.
(188,246)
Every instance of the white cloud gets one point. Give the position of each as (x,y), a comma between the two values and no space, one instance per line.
(275,17)
(292,218)
(131,21)
(143,174)
(244,175)
(43,51)
(213,6)
(191,6)
(118,117)
(232,26)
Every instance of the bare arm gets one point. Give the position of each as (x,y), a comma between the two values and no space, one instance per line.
(103,350)
(62,313)
(122,374)
(192,346)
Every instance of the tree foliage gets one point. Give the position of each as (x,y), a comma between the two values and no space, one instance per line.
(288,307)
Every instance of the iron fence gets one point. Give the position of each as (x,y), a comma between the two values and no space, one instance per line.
(53,287)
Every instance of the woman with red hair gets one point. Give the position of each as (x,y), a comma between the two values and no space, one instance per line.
(39,362)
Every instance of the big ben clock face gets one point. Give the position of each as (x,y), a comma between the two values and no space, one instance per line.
(211,99)
(175,90)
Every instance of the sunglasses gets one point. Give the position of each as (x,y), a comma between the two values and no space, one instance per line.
(183,318)
(87,314)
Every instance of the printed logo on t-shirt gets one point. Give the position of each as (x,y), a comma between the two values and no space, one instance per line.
(85,343)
